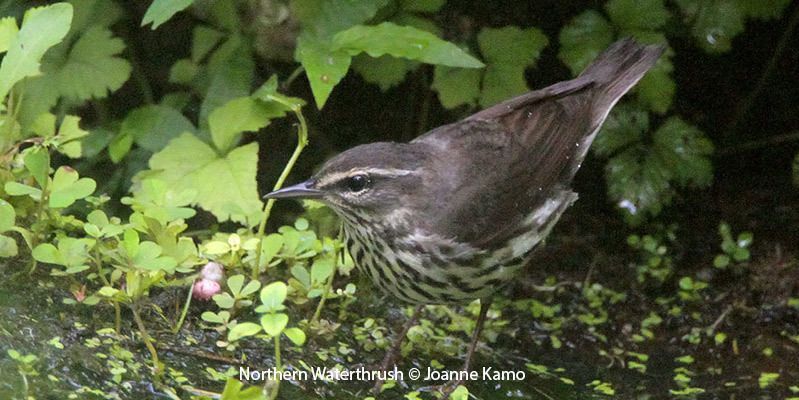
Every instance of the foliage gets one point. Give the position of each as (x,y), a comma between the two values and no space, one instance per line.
(122,176)
(735,251)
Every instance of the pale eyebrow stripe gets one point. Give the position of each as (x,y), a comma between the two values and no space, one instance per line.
(387,172)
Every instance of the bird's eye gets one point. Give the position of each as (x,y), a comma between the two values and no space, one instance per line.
(357,183)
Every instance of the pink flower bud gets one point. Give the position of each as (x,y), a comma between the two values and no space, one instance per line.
(213,272)
(204,289)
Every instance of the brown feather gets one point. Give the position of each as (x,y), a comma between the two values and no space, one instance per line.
(523,150)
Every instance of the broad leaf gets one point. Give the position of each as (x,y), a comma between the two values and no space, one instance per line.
(243,329)
(402,41)
(66,187)
(273,295)
(8,32)
(161,11)
(153,126)
(244,114)
(296,335)
(456,86)
(324,67)
(42,28)
(324,18)
(37,162)
(7,216)
(274,324)
(631,15)
(508,51)
(92,68)
(583,39)
(225,186)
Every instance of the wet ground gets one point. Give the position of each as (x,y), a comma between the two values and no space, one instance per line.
(579,324)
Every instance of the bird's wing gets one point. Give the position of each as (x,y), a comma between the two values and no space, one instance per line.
(502,164)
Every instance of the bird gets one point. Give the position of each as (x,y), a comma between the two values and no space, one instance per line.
(453,215)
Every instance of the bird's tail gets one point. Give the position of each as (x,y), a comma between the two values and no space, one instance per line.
(616,71)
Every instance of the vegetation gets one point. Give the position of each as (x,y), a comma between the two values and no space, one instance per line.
(134,139)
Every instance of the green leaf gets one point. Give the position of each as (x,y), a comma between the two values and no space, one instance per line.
(324,18)
(71,252)
(273,324)
(268,93)
(508,51)
(224,300)
(631,15)
(296,335)
(657,88)
(37,162)
(321,269)
(225,186)
(244,114)
(92,69)
(153,126)
(120,146)
(324,67)
(203,40)
(639,183)
(18,189)
(161,11)
(69,137)
(8,246)
(7,216)
(8,32)
(46,253)
(456,86)
(583,39)
(624,127)
(715,23)
(300,272)
(385,72)
(231,70)
(235,283)
(685,151)
(422,6)
(67,188)
(157,200)
(243,329)
(721,261)
(250,288)
(273,295)
(42,28)
(402,41)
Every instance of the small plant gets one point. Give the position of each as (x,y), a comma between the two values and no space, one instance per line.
(653,252)
(26,366)
(735,251)
(689,289)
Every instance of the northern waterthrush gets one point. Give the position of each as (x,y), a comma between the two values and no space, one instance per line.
(455,213)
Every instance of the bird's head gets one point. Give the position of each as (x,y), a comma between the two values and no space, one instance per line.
(369,181)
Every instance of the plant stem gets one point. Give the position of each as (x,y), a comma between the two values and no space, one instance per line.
(329,284)
(117,317)
(302,141)
(294,75)
(147,340)
(278,367)
(40,210)
(177,327)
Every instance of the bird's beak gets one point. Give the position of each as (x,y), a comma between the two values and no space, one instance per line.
(304,190)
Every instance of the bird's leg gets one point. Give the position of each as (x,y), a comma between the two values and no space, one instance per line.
(392,355)
(447,388)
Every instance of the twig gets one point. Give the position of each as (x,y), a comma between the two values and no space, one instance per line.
(719,320)
(758,144)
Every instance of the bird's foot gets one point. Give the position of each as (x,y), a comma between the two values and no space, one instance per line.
(389,360)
